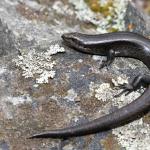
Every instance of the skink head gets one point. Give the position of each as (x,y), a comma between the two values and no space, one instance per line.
(73,40)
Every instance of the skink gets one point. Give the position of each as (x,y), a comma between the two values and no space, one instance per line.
(119,44)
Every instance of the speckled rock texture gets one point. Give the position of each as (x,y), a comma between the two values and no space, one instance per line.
(139,20)
(40,93)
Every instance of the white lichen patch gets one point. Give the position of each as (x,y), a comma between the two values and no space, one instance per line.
(104,92)
(120,80)
(84,13)
(120,10)
(18,100)
(64,8)
(2,70)
(43,78)
(68,147)
(71,95)
(96,57)
(7,103)
(38,65)
(134,136)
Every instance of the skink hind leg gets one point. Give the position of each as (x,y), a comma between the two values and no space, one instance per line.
(135,84)
(110,59)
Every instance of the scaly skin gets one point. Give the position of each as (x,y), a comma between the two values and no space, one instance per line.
(119,44)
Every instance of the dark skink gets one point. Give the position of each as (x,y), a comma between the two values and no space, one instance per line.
(119,44)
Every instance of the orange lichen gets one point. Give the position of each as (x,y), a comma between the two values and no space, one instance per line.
(96,6)
(130,26)
(112,30)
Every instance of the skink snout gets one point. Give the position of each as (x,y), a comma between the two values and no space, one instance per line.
(67,36)
(72,39)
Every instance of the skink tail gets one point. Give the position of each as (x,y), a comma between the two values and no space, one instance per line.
(126,114)
(50,134)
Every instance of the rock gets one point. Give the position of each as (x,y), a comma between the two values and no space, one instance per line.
(7,43)
(68,91)
(139,20)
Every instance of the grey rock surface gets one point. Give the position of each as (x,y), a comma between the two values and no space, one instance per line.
(7,45)
(139,20)
(79,91)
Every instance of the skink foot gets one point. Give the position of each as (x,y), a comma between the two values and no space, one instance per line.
(110,59)
(136,83)
(127,89)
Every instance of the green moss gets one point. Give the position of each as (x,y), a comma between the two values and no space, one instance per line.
(109,10)
(97,7)
(113,30)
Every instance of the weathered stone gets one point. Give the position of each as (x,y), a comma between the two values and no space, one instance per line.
(73,96)
(7,43)
(138,19)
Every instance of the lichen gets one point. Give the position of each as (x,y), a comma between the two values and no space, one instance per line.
(106,20)
(130,137)
(64,8)
(100,6)
(38,65)
(68,147)
(104,92)
(71,95)
(18,100)
(8,100)
(2,70)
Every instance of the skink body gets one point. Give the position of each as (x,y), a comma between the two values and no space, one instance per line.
(124,44)
(120,44)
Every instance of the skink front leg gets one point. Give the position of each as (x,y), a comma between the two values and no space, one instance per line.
(110,58)
(135,84)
